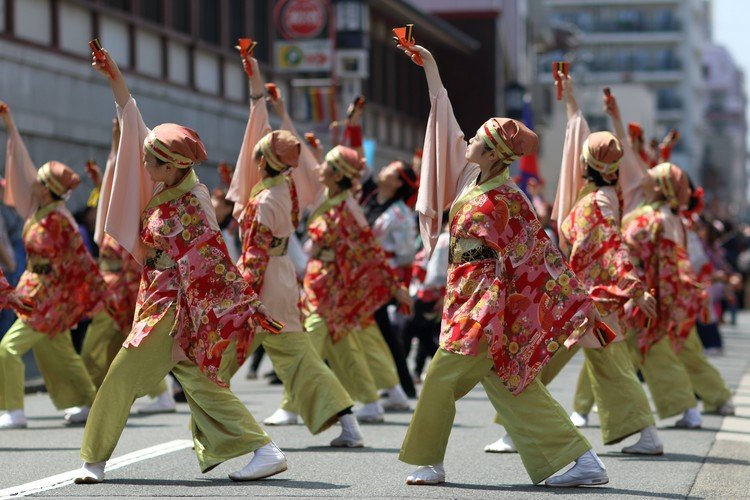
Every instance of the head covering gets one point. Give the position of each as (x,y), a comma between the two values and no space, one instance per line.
(176,145)
(673,183)
(281,149)
(345,160)
(510,138)
(602,152)
(58,177)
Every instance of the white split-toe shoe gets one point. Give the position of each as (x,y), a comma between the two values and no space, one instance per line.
(91,473)
(267,461)
(648,444)
(351,435)
(588,471)
(427,474)
(503,445)
(282,417)
(13,419)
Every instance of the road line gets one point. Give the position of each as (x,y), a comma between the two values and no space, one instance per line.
(66,478)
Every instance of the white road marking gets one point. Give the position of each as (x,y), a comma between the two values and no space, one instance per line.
(66,478)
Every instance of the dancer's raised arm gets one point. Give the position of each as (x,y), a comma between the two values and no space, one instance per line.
(20,172)
(246,171)
(444,153)
(571,169)
(632,170)
(132,188)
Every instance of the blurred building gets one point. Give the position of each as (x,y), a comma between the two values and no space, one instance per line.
(724,175)
(179,59)
(655,43)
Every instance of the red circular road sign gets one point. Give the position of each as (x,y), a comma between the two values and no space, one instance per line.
(301,18)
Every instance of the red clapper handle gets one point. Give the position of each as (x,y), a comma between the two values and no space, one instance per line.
(96,48)
(560,66)
(246,46)
(405,37)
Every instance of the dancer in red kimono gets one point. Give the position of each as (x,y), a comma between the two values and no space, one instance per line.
(122,273)
(192,301)
(267,208)
(61,279)
(511,300)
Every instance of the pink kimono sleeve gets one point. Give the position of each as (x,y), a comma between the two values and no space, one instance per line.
(632,172)
(305,176)
(571,170)
(105,194)
(246,173)
(20,174)
(131,188)
(443,163)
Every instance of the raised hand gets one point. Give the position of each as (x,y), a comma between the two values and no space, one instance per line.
(94,172)
(428,62)
(611,107)
(6,115)
(104,63)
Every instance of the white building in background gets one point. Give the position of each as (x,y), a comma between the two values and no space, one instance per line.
(725,175)
(654,43)
(179,60)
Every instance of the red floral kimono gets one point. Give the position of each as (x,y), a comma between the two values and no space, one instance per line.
(599,255)
(61,277)
(269,218)
(268,213)
(186,265)
(653,235)
(5,290)
(122,274)
(348,277)
(508,284)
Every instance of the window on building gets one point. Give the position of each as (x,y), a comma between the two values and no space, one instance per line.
(152,10)
(237,17)
(209,21)
(181,18)
(261,21)
(117,4)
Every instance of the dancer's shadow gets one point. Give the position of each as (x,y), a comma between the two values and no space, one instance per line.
(331,449)
(213,483)
(531,489)
(676,457)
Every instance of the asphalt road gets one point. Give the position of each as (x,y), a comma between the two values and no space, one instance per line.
(711,462)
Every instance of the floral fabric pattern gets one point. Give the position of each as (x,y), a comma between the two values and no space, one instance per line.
(666,269)
(188,267)
(61,277)
(599,255)
(5,289)
(122,275)
(526,302)
(348,277)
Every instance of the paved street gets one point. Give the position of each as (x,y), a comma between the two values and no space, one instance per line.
(154,456)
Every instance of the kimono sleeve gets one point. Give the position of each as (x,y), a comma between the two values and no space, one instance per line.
(19,175)
(246,172)
(571,170)
(443,163)
(132,188)
(305,176)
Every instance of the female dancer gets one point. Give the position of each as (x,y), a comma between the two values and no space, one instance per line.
(111,324)
(266,198)
(393,224)
(511,301)
(61,279)
(588,209)
(191,302)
